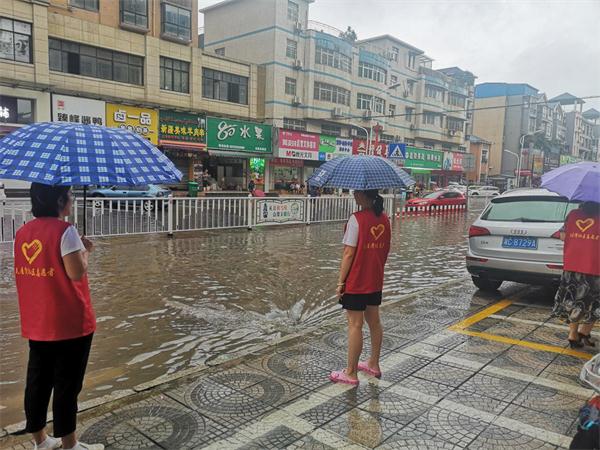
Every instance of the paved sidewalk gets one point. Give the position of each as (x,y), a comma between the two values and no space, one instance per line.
(441,389)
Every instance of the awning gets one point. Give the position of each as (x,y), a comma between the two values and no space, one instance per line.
(183,146)
(419,171)
(229,154)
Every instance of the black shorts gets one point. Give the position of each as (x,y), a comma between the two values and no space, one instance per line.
(359,302)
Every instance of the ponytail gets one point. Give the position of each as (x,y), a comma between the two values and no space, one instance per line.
(377,199)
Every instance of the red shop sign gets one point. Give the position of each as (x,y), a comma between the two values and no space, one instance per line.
(295,140)
(359,147)
(287,162)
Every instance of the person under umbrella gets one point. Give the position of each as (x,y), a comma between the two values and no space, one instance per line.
(51,259)
(577,300)
(366,242)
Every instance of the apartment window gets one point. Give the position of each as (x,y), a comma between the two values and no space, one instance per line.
(372,72)
(174,75)
(393,80)
(331,130)
(220,51)
(134,12)
(363,101)
(446,147)
(176,22)
(291,49)
(432,92)
(429,119)
(409,114)
(290,86)
(329,93)
(224,86)
(412,60)
(455,125)
(428,145)
(90,5)
(456,100)
(484,156)
(392,110)
(15,40)
(411,87)
(333,58)
(79,59)
(293,11)
(395,53)
(409,141)
(294,124)
(387,138)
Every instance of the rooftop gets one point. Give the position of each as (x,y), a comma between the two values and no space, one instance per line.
(477,140)
(486,90)
(391,38)
(591,113)
(229,2)
(566,99)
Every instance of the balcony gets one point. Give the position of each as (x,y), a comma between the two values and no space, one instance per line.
(433,77)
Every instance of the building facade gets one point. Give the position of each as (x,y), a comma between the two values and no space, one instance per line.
(321,81)
(133,64)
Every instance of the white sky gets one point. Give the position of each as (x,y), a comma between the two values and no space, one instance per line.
(550,44)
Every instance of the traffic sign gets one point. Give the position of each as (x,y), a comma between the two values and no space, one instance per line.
(397,151)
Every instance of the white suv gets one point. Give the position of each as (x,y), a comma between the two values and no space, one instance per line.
(484,191)
(516,238)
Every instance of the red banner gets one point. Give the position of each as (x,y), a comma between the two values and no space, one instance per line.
(295,140)
(457,162)
(359,147)
(287,162)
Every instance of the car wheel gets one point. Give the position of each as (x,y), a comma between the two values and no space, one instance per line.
(148,206)
(474,193)
(486,284)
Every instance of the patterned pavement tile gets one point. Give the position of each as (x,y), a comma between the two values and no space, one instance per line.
(524,360)
(549,400)
(558,423)
(449,426)
(395,407)
(278,438)
(426,387)
(317,356)
(402,369)
(499,438)
(564,368)
(413,438)
(477,401)
(158,421)
(309,443)
(363,428)
(485,324)
(539,314)
(510,329)
(480,358)
(274,392)
(239,377)
(549,336)
(499,388)
(361,393)
(325,412)
(444,374)
(482,347)
(447,339)
(414,329)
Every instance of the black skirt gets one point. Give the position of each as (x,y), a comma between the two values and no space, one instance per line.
(578,298)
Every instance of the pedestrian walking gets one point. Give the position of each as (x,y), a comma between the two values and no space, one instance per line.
(366,247)
(578,297)
(251,186)
(50,263)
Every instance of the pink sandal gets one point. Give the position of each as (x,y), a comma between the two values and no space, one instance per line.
(364,367)
(339,376)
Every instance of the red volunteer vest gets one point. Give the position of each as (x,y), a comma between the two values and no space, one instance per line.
(582,243)
(52,307)
(366,273)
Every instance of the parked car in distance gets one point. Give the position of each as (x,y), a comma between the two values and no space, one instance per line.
(458,188)
(516,238)
(133,192)
(438,198)
(484,191)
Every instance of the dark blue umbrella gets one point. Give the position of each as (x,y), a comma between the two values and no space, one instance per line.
(83,155)
(360,173)
(579,181)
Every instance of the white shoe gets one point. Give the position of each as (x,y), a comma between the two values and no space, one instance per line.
(82,446)
(49,443)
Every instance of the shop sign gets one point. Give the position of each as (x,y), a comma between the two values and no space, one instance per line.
(453,162)
(287,162)
(78,110)
(327,144)
(270,211)
(568,159)
(182,128)
(420,158)
(298,145)
(538,164)
(343,147)
(359,147)
(16,110)
(236,135)
(138,120)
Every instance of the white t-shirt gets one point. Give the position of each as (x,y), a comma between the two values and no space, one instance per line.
(351,234)
(70,242)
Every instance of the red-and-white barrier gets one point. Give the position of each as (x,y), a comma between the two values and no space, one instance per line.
(413,211)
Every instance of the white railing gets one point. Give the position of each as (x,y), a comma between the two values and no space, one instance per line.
(111,217)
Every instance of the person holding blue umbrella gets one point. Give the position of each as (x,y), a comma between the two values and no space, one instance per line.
(51,259)
(367,239)
(577,300)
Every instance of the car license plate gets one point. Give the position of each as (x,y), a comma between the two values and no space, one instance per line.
(526,243)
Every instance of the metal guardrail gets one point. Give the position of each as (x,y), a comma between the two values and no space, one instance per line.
(114,217)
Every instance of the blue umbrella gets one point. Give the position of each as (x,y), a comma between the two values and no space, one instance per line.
(579,181)
(82,155)
(360,173)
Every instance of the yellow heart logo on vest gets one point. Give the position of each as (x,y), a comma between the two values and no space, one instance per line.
(377,231)
(31,250)
(584,225)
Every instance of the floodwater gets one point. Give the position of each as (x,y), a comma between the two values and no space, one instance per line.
(165,305)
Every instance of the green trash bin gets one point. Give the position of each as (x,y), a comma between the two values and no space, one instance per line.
(192,189)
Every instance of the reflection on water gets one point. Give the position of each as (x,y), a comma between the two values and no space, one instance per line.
(168,304)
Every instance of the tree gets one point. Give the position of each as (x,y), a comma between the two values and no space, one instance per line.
(349,35)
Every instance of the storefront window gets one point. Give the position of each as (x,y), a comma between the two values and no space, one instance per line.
(285,178)
(16,110)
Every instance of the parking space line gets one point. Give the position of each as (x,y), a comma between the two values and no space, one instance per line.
(472,320)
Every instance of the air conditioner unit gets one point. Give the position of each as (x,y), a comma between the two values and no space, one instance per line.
(297,101)
(367,114)
(298,64)
(298,26)
(337,112)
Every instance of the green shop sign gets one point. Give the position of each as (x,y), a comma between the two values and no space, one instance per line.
(420,158)
(180,127)
(327,144)
(238,136)
(568,159)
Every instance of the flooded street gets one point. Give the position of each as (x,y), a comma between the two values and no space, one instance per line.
(164,305)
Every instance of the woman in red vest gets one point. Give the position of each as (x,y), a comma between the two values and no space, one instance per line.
(578,298)
(57,318)
(366,247)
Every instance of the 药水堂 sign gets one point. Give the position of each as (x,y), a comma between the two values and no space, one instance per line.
(238,136)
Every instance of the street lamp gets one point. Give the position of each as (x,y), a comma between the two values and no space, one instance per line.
(385,89)
(522,142)
(518,160)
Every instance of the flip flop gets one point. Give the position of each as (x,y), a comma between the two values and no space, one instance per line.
(364,367)
(339,376)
